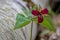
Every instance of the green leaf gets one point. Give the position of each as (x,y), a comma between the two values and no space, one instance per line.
(21,21)
(28,13)
(47,23)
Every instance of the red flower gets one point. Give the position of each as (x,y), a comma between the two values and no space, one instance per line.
(35,12)
(39,14)
(45,11)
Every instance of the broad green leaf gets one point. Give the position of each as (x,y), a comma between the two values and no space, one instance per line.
(28,13)
(21,21)
(47,23)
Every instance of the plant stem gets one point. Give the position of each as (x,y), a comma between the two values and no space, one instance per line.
(31,30)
